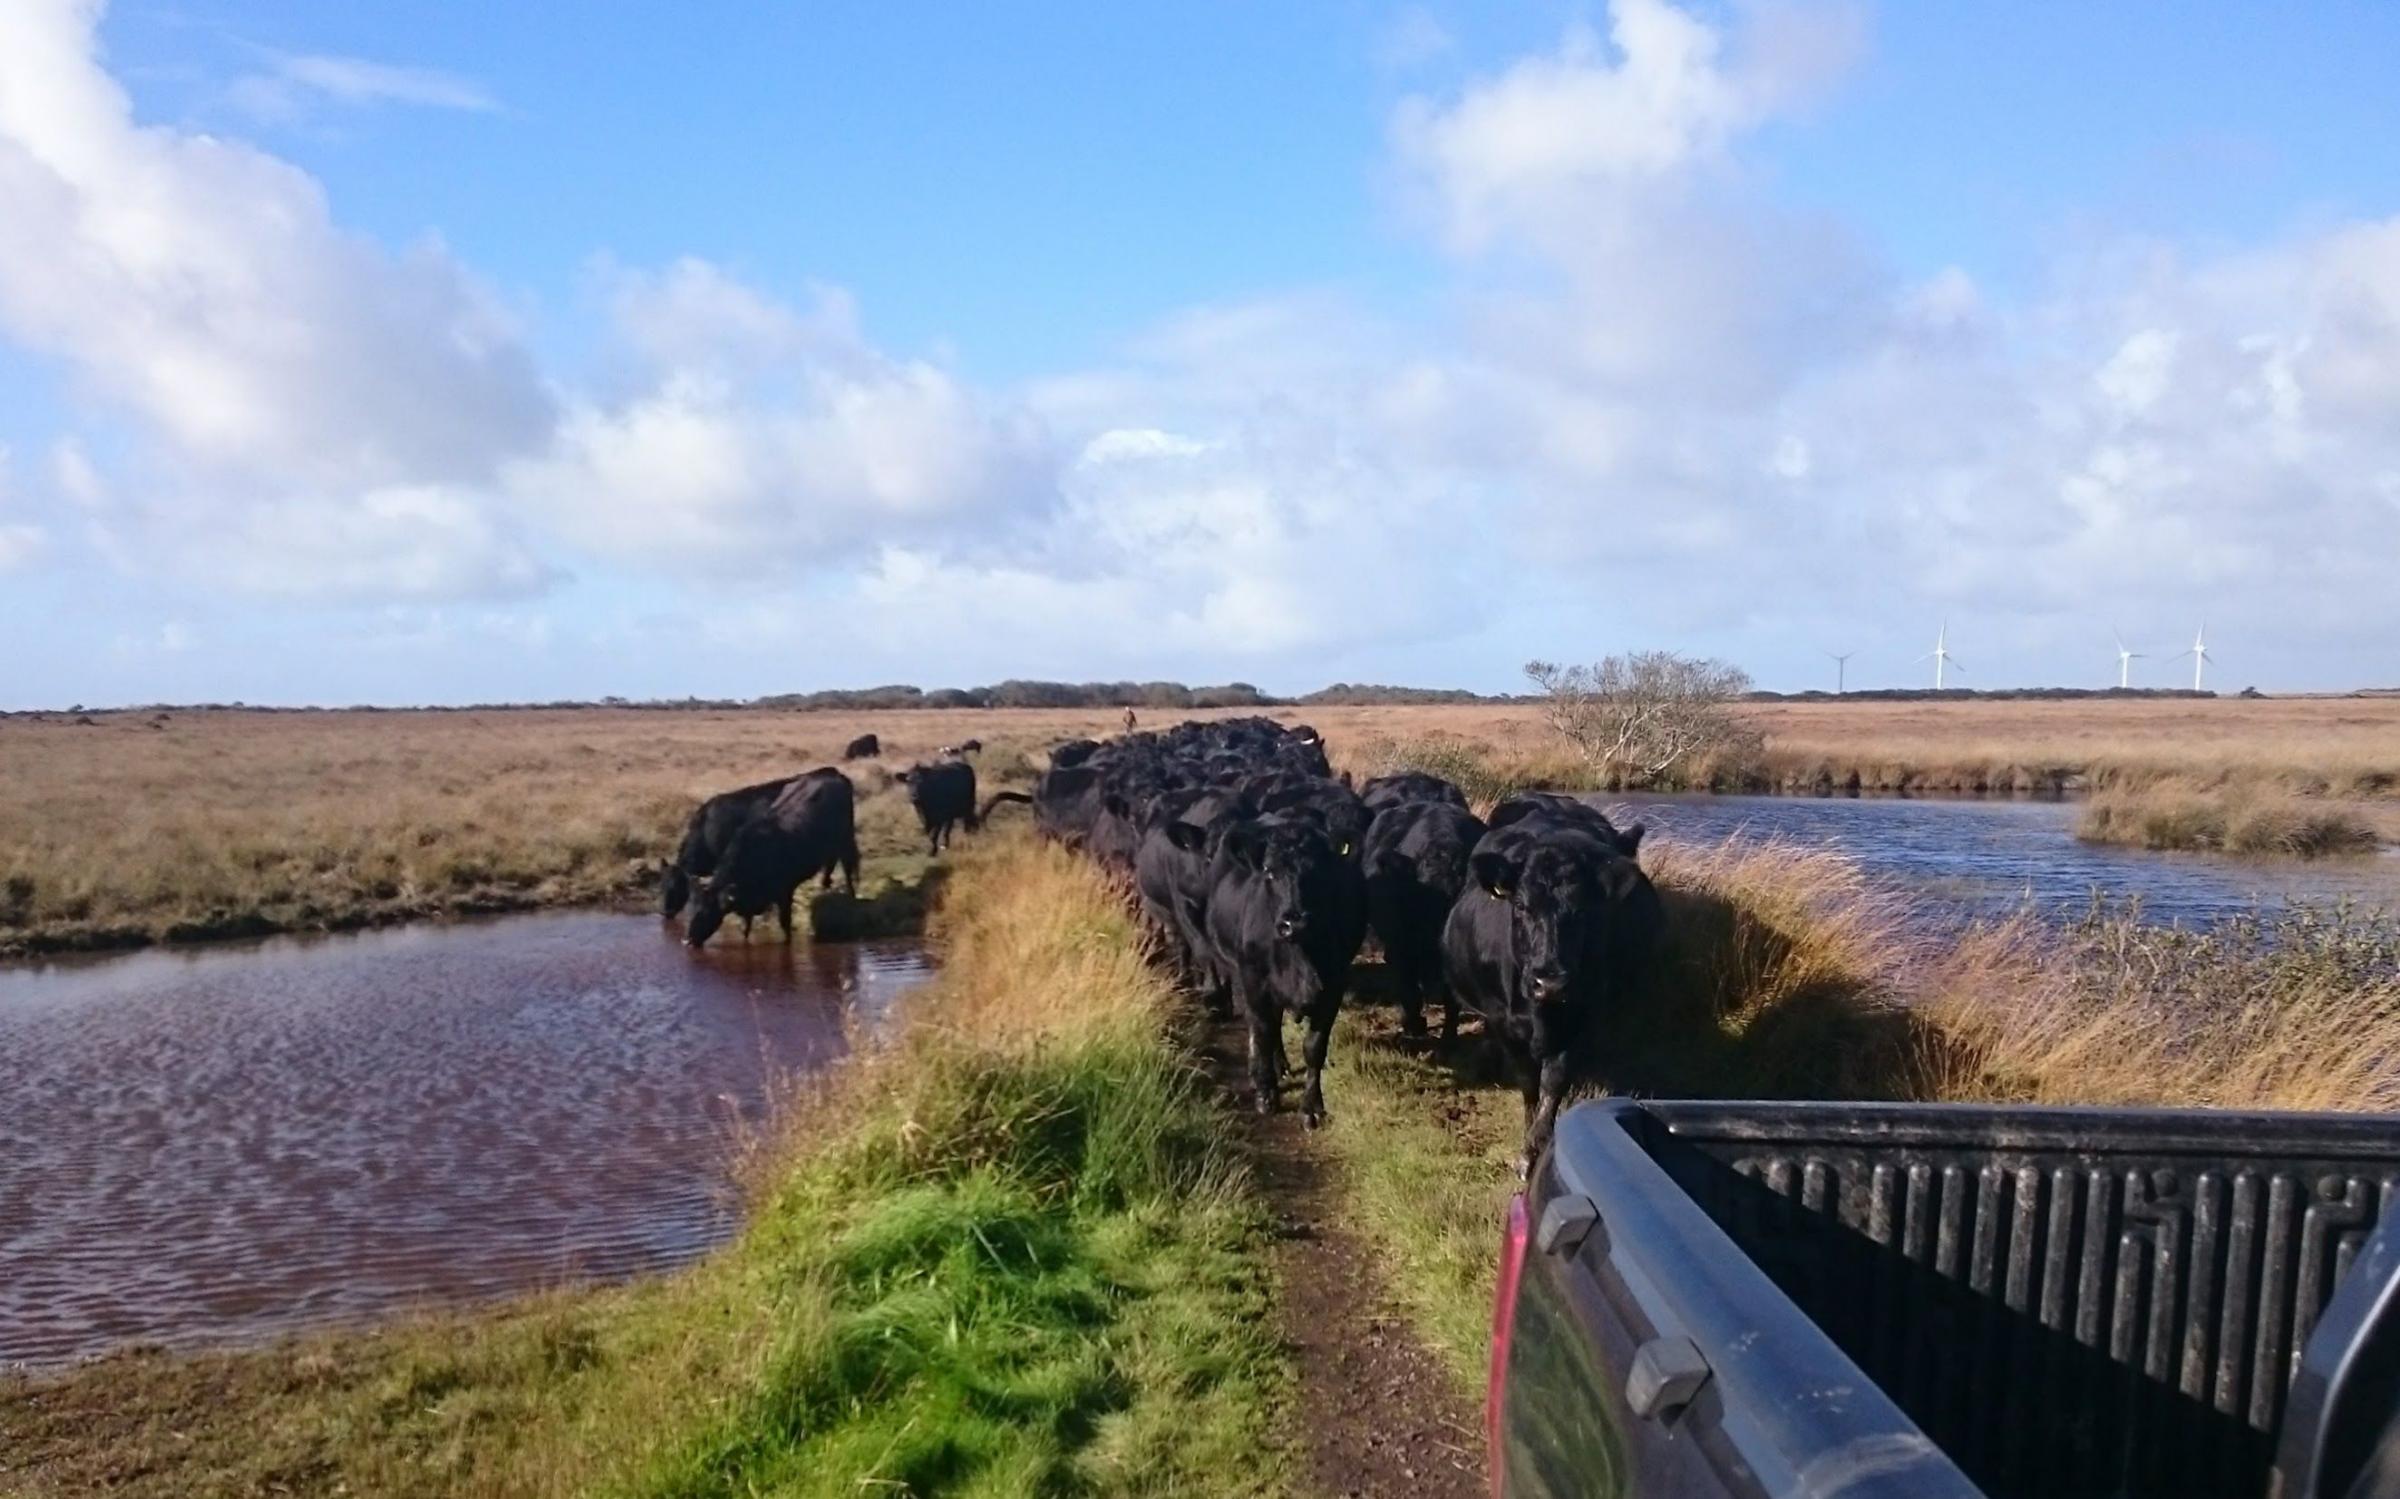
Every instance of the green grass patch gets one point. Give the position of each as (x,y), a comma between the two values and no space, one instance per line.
(1015,1253)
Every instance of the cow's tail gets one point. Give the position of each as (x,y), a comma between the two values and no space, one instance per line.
(997,798)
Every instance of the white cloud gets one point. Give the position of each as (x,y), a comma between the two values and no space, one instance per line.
(422,542)
(72,470)
(1553,146)
(202,288)
(1657,404)
(292,81)
(759,434)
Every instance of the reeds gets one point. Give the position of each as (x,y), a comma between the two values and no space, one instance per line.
(2247,823)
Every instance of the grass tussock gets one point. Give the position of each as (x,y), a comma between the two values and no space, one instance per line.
(1787,974)
(2241,824)
(1013,1254)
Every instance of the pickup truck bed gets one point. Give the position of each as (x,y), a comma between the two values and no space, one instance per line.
(1748,1298)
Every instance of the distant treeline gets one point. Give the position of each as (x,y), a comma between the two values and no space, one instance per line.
(1977,694)
(1163,696)
(1017,693)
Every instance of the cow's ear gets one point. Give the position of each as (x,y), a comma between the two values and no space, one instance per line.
(902,776)
(1187,837)
(1496,873)
(1509,809)
(1631,839)
(1395,865)
(1347,783)
(1117,806)
(1244,846)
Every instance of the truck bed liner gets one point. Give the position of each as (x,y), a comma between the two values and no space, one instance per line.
(2065,1301)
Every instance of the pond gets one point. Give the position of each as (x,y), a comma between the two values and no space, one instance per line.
(213,1146)
(1985,856)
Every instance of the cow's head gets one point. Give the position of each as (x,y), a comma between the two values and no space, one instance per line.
(1296,868)
(1563,896)
(710,897)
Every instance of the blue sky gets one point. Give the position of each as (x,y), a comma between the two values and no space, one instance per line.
(422,353)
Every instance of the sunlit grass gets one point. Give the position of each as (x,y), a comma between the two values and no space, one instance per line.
(1011,1254)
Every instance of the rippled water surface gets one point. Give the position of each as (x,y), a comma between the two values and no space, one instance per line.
(1983,856)
(215,1146)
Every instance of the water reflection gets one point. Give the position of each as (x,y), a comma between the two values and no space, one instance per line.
(1983,856)
(210,1146)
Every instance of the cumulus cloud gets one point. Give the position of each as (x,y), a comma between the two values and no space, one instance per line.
(756,433)
(1657,402)
(1553,147)
(292,82)
(202,288)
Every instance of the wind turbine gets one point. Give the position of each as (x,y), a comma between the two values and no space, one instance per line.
(1841,670)
(2125,660)
(2198,653)
(1939,655)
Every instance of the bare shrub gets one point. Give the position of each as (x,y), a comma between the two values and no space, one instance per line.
(1649,717)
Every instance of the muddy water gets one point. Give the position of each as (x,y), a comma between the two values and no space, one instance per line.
(2000,855)
(213,1147)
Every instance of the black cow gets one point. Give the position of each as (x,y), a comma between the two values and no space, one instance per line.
(811,827)
(1409,786)
(944,795)
(1415,861)
(1555,927)
(864,747)
(710,828)
(1522,804)
(1275,889)
(1171,875)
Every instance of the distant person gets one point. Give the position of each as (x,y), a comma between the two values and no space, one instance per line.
(1129,720)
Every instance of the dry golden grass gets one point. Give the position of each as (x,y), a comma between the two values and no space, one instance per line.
(129,829)
(2244,821)
(218,823)
(2315,747)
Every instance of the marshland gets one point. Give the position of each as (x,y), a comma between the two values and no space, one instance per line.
(1019,1238)
(118,829)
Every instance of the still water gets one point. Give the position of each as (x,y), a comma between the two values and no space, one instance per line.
(212,1147)
(1986,856)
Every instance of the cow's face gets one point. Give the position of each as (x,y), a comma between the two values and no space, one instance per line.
(1296,869)
(1556,905)
(708,911)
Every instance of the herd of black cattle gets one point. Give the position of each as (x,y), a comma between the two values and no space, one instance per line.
(1262,874)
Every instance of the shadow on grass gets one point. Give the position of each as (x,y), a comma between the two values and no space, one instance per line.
(1735,1006)
(894,906)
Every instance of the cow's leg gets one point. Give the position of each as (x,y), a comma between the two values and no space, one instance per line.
(1266,1049)
(1312,1050)
(746,921)
(1543,1118)
(1219,997)
(850,866)
(783,913)
(1449,997)
(1403,967)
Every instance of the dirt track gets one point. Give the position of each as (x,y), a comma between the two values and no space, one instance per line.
(1375,1416)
